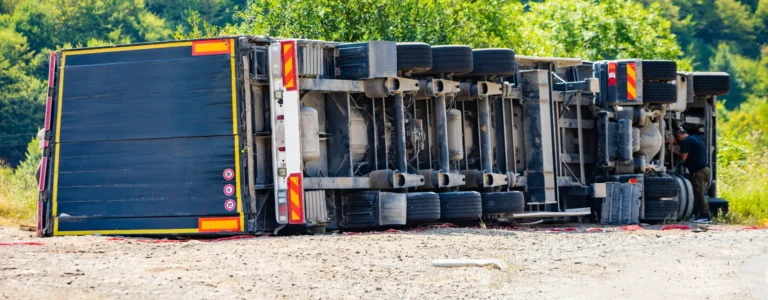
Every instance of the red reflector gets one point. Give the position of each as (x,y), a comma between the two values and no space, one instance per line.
(49,101)
(295,199)
(611,74)
(51,68)
(632,181)
(40,218)
(288,50)
(281,149)
(280,117)
(43,167)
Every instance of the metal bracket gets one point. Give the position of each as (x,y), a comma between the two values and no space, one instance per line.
(482,179)
(509,91)
(436,86)
(488,88)
(437,179)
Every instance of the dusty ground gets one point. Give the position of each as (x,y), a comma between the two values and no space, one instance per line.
(724,263)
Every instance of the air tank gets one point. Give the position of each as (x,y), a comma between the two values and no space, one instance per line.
(310,138)
(358,135)
(650,140)
(455,145)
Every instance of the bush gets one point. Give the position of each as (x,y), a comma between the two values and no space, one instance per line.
(743,162)
(18,188)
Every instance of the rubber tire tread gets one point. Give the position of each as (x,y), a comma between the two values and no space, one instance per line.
(659,92)
(663,70)
(493,61)
(503,202)
(661,187)
(423,207)
(711,83)
(461,206)
(414,57)
(454,59)
(682,199)
(660,210)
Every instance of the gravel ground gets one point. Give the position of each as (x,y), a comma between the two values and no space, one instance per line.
(723,263)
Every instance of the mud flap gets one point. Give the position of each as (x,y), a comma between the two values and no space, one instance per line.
(621,206)
(372,209)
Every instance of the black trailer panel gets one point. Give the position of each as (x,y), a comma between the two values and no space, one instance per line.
(147,140)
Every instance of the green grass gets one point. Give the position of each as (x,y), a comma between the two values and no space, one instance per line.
(18,196)
(18,189)
(744,183)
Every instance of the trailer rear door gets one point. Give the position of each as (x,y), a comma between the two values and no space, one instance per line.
(147,140)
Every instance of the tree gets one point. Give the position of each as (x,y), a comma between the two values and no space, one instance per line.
(583,28)
(21,101)
(31,28)
(606,30)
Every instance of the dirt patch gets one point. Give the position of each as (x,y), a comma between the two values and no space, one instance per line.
(542,264)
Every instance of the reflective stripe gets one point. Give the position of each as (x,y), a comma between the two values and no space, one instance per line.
(218,224)
(631,82)
(295,193)
(211,47)
(289,65)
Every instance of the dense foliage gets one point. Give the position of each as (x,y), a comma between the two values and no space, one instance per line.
(587,29)
(29,29)
(724,35)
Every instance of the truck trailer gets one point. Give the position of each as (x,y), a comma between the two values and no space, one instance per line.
(256,135)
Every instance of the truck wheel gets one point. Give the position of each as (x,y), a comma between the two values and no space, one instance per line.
(659,92)
(423,207)
(503,203)
(416,57)
(661,187)
(660,210)
(711,83)
(457,206)
(493,62)
(682,198)
(452,59)
(663,70)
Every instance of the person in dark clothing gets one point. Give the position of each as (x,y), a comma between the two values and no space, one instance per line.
(692,151)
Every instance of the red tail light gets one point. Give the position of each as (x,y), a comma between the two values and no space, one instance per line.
(611,74)
(295,199)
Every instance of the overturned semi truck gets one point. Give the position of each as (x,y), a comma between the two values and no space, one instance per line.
(247,135)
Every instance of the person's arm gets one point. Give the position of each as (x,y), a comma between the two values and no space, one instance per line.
(684,150)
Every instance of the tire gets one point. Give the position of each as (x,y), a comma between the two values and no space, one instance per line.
(682,198)
(662,70)
(660,210)
(458,206)
(717,204)
(503,203)
(416,57)
(711,83)
(659,92)
(661,187)
(498,61)
(423,207)
(452,59)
